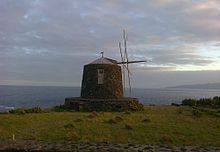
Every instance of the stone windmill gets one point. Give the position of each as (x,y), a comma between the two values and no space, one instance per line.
(103,86)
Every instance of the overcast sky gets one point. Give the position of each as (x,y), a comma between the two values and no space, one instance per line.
(47,42)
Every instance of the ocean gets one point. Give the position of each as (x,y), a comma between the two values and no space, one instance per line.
(45,97)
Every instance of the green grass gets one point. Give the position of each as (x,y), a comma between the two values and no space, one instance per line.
(155,125)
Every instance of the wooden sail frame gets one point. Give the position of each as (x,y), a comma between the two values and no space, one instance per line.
(125,62)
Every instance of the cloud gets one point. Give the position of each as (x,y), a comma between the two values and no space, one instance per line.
(43,40)
(157,79)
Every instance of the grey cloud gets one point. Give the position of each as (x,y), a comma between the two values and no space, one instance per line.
(174,56)
(50,39)
(157,79)
(217,44)
(181,59)
(156,68)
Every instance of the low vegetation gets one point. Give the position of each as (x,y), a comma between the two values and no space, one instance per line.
(27,110)
(205,102)
(172,125)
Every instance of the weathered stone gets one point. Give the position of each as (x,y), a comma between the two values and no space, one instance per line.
(102,89)
(45,146)
(123,104)
(110,89)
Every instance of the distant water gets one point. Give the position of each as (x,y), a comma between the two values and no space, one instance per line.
(29,96)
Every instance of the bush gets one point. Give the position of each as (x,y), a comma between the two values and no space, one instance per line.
(118,119)
(110,121)
(69,126)
(62,108)
(128,127)
(189,102)
(166,139)
(93,114)
(204,102)
(216,101)
(78,120)
(146,120)
(27,110)
(196,113)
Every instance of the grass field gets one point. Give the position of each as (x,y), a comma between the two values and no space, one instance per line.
(155,125)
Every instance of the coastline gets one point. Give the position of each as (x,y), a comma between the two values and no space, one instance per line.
(47,97)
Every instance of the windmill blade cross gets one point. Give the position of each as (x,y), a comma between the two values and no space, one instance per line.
(125,62)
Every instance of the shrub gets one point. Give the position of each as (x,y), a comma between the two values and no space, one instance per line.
(115,120)
(216,101)
(93,114)
(189,102)
(78,120)
(166,139)
(118,119)
(69,126)
(146,120)
(175,104)
(179,110)
(196,113)
(61,108)
(204,102)
(27,110)
(110,121)
(127,113)
(34,110)
(128,127)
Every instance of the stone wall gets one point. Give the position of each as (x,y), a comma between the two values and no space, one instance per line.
(123,104)
(111,88)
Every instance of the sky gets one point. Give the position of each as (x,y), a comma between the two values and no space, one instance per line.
(47,42)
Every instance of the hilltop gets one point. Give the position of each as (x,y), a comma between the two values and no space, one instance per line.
(199,86)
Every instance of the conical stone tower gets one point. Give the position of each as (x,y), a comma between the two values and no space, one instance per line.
(102,89)
(102,79)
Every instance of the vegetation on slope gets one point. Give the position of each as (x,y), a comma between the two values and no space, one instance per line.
(155,125)
(205,102)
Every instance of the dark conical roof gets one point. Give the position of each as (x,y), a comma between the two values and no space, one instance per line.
(104,60)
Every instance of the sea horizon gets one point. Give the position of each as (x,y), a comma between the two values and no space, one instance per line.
(14,96)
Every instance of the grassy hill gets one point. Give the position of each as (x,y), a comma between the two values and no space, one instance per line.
(155,125)
(199,86)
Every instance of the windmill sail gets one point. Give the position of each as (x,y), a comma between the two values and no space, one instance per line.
(131,62)
(125,62)
(123,70)
(126,56)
